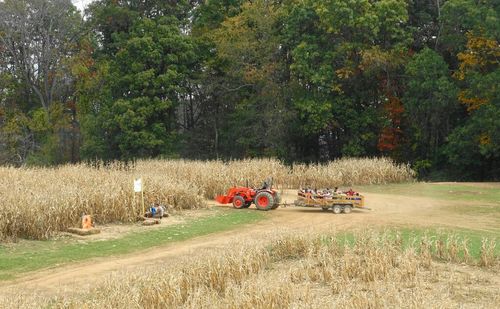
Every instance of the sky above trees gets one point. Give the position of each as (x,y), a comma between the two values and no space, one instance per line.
(81,4)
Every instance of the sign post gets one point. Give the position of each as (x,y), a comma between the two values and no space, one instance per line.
(139,188)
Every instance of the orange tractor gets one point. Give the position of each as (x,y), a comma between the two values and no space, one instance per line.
(264,198)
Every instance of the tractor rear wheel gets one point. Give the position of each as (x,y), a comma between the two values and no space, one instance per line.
(337,209)
(238,202)
(264,201)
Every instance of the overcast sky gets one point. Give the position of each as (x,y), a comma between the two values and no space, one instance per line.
(81,4)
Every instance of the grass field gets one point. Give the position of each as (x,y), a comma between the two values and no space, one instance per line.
(33,255)
(432,245)
(474,200)
(487,193)
(310,270)
(466,241)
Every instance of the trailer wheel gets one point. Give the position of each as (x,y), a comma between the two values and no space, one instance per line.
(347,209)
(264,200)
(337,209)
(238,202)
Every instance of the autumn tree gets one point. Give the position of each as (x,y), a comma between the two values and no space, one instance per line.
(301,80)
(343,55)
(38,39)
(474,147)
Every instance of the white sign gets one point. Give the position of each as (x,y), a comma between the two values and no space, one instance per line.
(138,185)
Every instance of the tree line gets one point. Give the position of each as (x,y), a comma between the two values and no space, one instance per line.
(300,80)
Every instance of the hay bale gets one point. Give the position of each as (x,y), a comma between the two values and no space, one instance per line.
(151,221)
(83,232)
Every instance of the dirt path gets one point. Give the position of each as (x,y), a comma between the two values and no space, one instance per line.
(387,210)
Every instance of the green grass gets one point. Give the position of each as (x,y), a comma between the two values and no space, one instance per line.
(470,200)
(477,209)
(474,238)
(463,198)
(35,255)
(454,192)
(413,236)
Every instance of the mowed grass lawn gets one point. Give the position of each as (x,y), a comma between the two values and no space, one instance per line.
(484,193)
(470,198)
(411,237)
(26,255)
(467,199)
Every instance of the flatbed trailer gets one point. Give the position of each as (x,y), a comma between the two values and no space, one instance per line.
(337,203)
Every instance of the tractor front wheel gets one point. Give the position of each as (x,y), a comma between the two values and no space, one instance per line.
(264,201)
(238,202)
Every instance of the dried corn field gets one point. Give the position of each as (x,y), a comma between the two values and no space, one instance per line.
(214,177)
(38,202)
(374,270)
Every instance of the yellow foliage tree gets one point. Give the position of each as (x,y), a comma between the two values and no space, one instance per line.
(481,56)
